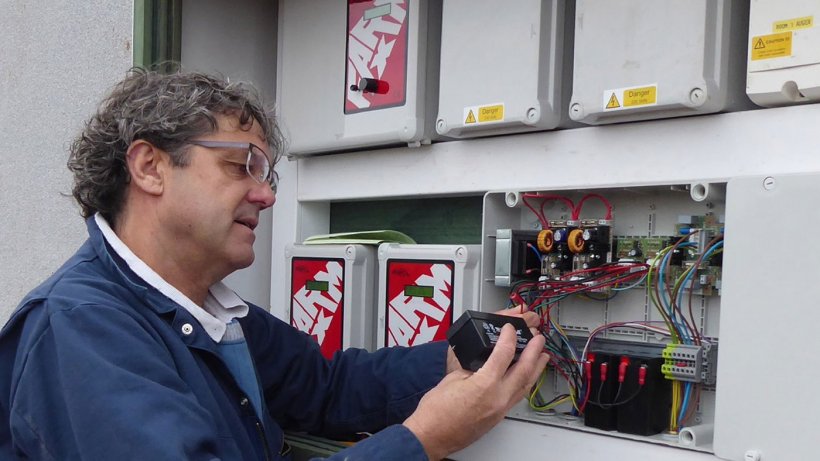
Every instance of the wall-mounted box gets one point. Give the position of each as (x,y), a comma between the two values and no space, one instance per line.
(643,221)
(331,294)
(423,289)
(784,52)
(504,69)
(639,60)
(357,74)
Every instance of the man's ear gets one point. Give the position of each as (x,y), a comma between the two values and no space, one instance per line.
(146,164)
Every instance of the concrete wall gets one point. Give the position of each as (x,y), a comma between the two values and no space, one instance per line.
(57,59)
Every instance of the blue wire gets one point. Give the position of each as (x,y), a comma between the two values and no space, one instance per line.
(685,334)
(706,257)
(687,391)
(535,250)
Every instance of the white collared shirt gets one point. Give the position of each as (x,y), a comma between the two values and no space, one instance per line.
(221,305)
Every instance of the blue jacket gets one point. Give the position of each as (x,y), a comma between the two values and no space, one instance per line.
(96,365)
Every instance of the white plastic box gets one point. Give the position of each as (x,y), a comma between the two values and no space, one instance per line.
(423,289)
(639,60)
(504,69)
(639,213)
(784,52)
(327,47)
(331,294)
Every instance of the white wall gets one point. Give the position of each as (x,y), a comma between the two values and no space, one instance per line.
(57,59)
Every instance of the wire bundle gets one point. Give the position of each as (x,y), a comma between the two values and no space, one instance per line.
(667,293)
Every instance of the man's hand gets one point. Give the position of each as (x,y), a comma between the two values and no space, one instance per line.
(465,405)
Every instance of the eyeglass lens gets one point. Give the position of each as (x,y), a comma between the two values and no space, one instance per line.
(258,165)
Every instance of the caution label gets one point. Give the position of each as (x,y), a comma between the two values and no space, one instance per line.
(484,114)
(631,97)
(793,24)
(470,117)
(771,46)
(613,102)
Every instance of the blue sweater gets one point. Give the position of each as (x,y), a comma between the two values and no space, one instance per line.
(95,364)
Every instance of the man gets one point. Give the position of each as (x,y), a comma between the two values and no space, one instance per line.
(134,349)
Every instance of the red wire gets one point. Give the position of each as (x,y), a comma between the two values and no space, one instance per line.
(576,213)
(544,199)
(541,218)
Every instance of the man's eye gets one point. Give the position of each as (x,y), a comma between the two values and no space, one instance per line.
(237,169)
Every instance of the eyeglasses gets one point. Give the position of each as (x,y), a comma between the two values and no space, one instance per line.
(257,163)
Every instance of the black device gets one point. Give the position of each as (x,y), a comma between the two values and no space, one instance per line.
(474,335)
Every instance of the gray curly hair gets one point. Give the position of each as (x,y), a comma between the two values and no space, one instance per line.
(167,110)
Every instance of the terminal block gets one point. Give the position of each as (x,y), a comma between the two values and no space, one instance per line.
(692,363)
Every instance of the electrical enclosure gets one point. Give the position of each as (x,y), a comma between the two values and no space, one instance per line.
(638,60)
(328,48)
(644,222)
(504,69)
(784,52)
(423,289)
(768,296)
(332,289)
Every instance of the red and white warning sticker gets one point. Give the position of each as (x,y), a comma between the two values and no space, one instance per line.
(419,302)
(317,301)
(377,51)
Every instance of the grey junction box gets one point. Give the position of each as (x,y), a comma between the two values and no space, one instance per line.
(330,52)
(504,67)
(641,59)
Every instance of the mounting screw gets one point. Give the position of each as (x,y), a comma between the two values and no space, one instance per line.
(697,96)
(769,183)
(751,455)
(576,111)
(533,114)
(441,126)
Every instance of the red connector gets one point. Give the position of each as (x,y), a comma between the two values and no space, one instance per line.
(604,367)
(622,369)
(588,366)
(642,375)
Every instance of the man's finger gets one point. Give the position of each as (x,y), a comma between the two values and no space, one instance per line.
(502,354)
(528,367)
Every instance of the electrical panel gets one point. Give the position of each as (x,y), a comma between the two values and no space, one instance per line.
(784,52)
(332,289)
(504,70)
(627,282)
(357,74)
(423,289)
(768,323)
(639,60)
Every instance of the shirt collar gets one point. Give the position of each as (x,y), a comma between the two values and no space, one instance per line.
(220,307)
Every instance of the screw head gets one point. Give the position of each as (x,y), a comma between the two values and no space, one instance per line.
(697,96)
(576,111)
(769,183)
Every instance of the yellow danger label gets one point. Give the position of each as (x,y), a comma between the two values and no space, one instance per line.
(771,46)
(793,24)
(470,117)
(642,96)
(613,102)
(494,113)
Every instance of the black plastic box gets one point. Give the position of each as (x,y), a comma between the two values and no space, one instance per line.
(474,335)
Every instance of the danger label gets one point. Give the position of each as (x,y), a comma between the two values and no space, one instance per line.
(317,301)
(484,114)
(419,302)
(771,46)
(793,24)
(626,98)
